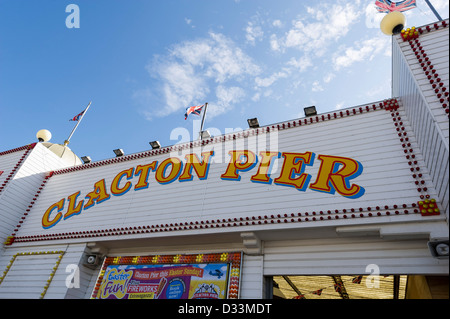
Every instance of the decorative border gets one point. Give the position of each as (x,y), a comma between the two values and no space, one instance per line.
(52,274)
(427,205)
(233,258)
(329,215)
(412,36)
(27,149)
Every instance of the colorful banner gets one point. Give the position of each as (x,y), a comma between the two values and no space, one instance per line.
(189,281)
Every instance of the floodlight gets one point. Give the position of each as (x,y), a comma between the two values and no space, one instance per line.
(155,145)
(310,111)
(119,152)
(253,123)
(86,159)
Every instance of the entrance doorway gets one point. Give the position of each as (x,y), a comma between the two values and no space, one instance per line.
(340,287)
(358,287)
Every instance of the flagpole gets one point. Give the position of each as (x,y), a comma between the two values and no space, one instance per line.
(66,142)
(203,120)
(434,10)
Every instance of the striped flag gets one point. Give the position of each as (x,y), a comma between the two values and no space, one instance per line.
(193,110)
(386,6)
(76,118)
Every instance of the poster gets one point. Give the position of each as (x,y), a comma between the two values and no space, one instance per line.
(189,281)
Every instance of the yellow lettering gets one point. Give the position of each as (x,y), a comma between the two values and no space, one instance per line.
(143,171)
(201,168)
(292,171)
(335,174)
(175,164)
(46,223)
(241,161)
(263,176)
(73,209)
(98,195)
(115,189)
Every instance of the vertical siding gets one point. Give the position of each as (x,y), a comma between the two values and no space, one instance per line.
(423,108)
(252,277)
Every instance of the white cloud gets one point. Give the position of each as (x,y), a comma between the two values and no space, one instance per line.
(274,43)
(253,33)
(339,106)
(362,51)
(301,64)
(194,69)
(226,98)
(268,81)
(316,87)
(329,77)
(329,23)
(277,23)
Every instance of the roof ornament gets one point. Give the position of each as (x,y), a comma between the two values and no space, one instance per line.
(394,22)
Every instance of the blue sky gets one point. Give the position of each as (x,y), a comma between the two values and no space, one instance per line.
(143,62)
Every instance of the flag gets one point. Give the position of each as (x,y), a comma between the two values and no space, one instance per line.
(317,292)
(194,110)
(338,287)
(77,117)
(357,280)
(386,6)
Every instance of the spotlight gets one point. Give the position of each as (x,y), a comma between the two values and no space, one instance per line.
(86,159)
(155,145)
(253,123)
(204,134)
(118,152)
(310,111)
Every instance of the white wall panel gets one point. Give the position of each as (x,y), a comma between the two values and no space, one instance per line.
(341,256)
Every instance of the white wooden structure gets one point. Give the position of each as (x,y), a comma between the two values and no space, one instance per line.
(327,194)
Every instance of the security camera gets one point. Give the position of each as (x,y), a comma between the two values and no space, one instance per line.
(393,23)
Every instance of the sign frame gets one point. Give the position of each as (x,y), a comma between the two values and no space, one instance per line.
(232,259)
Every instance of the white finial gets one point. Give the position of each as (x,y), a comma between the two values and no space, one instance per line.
(44,135)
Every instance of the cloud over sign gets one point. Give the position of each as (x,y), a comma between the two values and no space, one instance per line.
(204,70)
